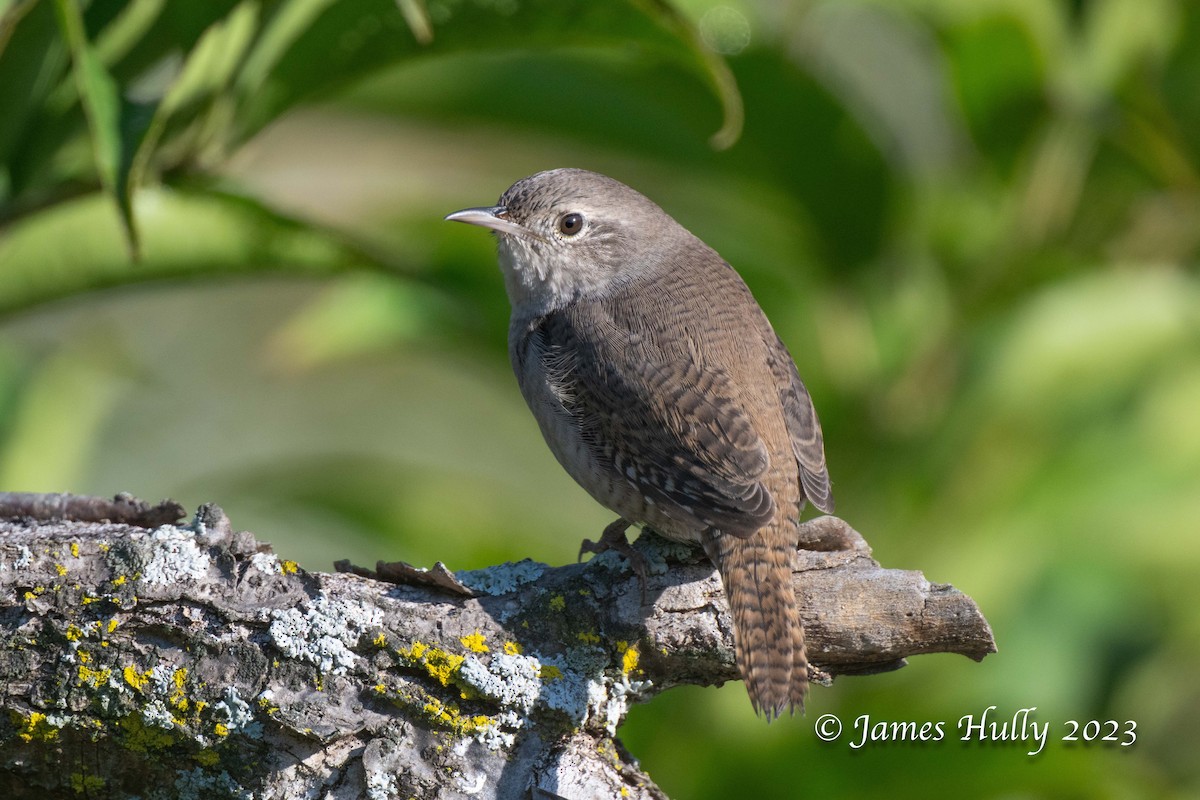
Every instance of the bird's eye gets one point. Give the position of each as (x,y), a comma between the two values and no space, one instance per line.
(570,224)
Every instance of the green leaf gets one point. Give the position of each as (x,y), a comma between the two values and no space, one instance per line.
(44,133)
(711,65)
(156,86)
(116,125)
(194,100)
(311,47)
(77,246)
(215,59)
(32,60)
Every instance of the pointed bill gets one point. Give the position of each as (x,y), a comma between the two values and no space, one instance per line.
(494,217)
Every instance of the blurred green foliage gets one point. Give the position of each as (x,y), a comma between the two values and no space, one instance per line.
(976,224)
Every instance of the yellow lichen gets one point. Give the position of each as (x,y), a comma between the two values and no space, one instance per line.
(587,637)
(448,715)
(629,656)
(558,603)
(512,649)
(75,549)
(606,750)
(221,729)
(549,672)
(438,712)
(380,640)
(474,642)
(74,633)
(35,727)
(119,580)
(178,700)
(289,567)
(137,680)
(207,758)
(93,677)
(112,624)
(440,665)
(60,569)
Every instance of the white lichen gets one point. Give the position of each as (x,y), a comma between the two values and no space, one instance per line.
(237,714)
(174,557)
(157,714)
(501,735)
(512,680)
(162,678)
(608,700)
(502,578)
(322,632)
(266,562)
(381,785)
(470,784)
(567,693)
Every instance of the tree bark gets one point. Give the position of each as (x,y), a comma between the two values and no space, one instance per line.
(150,658)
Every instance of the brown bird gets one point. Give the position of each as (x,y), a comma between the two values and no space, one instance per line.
(662,389)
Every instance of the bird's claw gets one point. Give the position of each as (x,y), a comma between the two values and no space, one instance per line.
(613,538)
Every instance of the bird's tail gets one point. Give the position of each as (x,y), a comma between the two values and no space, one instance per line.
(768,636)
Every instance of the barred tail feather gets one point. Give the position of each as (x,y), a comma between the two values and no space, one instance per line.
(799,662)
(768,636)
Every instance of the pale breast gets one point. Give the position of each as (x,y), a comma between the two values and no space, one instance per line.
(544,377)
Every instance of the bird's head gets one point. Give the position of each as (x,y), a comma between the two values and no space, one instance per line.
(565,234)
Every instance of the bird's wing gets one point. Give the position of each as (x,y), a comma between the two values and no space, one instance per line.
(802,424)
(660,422)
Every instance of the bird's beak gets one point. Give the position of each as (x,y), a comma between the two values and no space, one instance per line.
(494,217)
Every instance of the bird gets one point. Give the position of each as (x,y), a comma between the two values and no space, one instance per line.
(660,386)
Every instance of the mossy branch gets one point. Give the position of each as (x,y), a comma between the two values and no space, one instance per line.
(190,660)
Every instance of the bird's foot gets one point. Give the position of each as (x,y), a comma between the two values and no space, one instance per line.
(613,538)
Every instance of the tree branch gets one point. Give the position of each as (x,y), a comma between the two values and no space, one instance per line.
(146,662)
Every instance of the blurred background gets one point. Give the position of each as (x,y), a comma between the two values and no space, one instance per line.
(224,277)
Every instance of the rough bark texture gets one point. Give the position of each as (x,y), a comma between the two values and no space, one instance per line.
(189,661)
